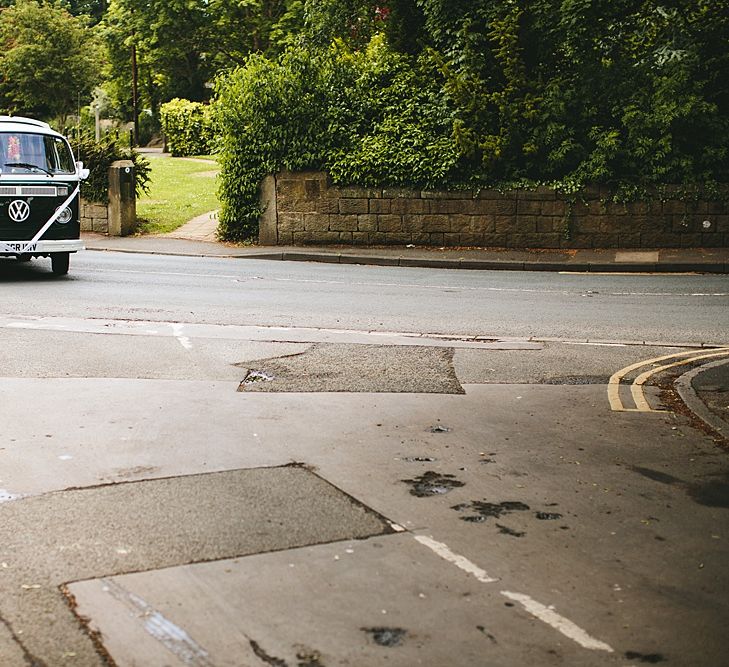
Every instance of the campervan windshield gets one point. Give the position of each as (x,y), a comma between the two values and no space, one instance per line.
(28,153)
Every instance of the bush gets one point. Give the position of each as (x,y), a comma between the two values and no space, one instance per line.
(98,157)
(188,127)
(369,117)
(491,93)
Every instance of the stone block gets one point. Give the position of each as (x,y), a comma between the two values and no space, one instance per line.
(504,223)
(660,239)
(389,223)
(472,240)
(460,224)
(447,194)
(447,206)
(360,238)
(451,239)
(367,223)
(533,240)
(713,240)
(530,206)
(316,222)
(639,207)
(603,240)
(525,224)
(630,240)
(545,224)
(436,223)
(495,240)
(344,223)
(87,224)
(576,240)
(421,238)
(540,193)
(399,193)
(720,222)
(312,188)
(495,206)
(690,240)
(436,239)
(327,205)
(315,237)
(380,206)
(410,206)
(355,192)
(291,222)
(353,206)
(481,224)
(100,226)
(556,207)
(588,224)
(413,224)
(285,238)
(345,237)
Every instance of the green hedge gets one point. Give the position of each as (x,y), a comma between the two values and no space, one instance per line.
(499,93)
(188,127)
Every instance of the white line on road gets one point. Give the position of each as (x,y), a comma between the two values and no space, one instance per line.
(459,561)
(558,622)
(178,333)
(544,613)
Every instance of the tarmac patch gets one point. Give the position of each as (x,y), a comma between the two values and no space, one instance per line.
(326,367)
(432,483)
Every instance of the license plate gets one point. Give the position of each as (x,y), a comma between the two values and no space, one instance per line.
(16,246)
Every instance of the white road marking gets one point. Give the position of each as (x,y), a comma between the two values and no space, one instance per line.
(461,562)
(558,622)
(537,609)
(184,331)
(6,496)
(178,333)
(173,637)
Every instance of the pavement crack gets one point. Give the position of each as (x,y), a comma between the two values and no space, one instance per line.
(265,657)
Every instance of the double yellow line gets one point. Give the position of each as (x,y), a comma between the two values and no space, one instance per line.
(636,388)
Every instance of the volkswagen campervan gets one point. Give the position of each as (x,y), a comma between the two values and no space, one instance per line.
(39,193)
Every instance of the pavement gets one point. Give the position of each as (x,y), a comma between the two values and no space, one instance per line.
(705,389)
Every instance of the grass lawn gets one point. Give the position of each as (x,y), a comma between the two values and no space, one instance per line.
(179,190)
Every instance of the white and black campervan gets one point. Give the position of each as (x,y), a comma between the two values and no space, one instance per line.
(39,193)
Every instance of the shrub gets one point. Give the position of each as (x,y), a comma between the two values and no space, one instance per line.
(98,157)
(188,127)
(369,117)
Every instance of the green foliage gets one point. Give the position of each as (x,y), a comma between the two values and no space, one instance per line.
(98,157)
(188,127)
(48,58)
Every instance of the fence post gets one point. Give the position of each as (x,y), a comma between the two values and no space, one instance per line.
(122,199)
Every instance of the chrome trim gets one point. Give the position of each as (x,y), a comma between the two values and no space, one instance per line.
(28,191)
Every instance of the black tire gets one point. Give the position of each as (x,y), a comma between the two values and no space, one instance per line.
(60,262)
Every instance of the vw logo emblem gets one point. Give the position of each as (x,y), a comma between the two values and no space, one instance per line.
(19,210)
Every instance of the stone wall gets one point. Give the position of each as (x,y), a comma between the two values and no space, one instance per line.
(304,208)
(94,217)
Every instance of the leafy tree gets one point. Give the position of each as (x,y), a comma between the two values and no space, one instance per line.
(49,60)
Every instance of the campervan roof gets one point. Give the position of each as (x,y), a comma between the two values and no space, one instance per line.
(22,124)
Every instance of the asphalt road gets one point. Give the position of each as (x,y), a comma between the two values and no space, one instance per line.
(664,308)
(217,462)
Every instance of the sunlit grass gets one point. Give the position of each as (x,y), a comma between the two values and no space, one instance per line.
(179,190)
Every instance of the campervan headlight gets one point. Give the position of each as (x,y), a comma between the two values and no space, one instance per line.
(62,191)
(65,216)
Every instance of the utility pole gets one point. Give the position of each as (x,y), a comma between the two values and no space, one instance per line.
(135,95)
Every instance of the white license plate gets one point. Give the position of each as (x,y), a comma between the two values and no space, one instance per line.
(16,246)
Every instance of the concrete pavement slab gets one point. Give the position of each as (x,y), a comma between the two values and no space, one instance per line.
(49,540)
(380,601)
